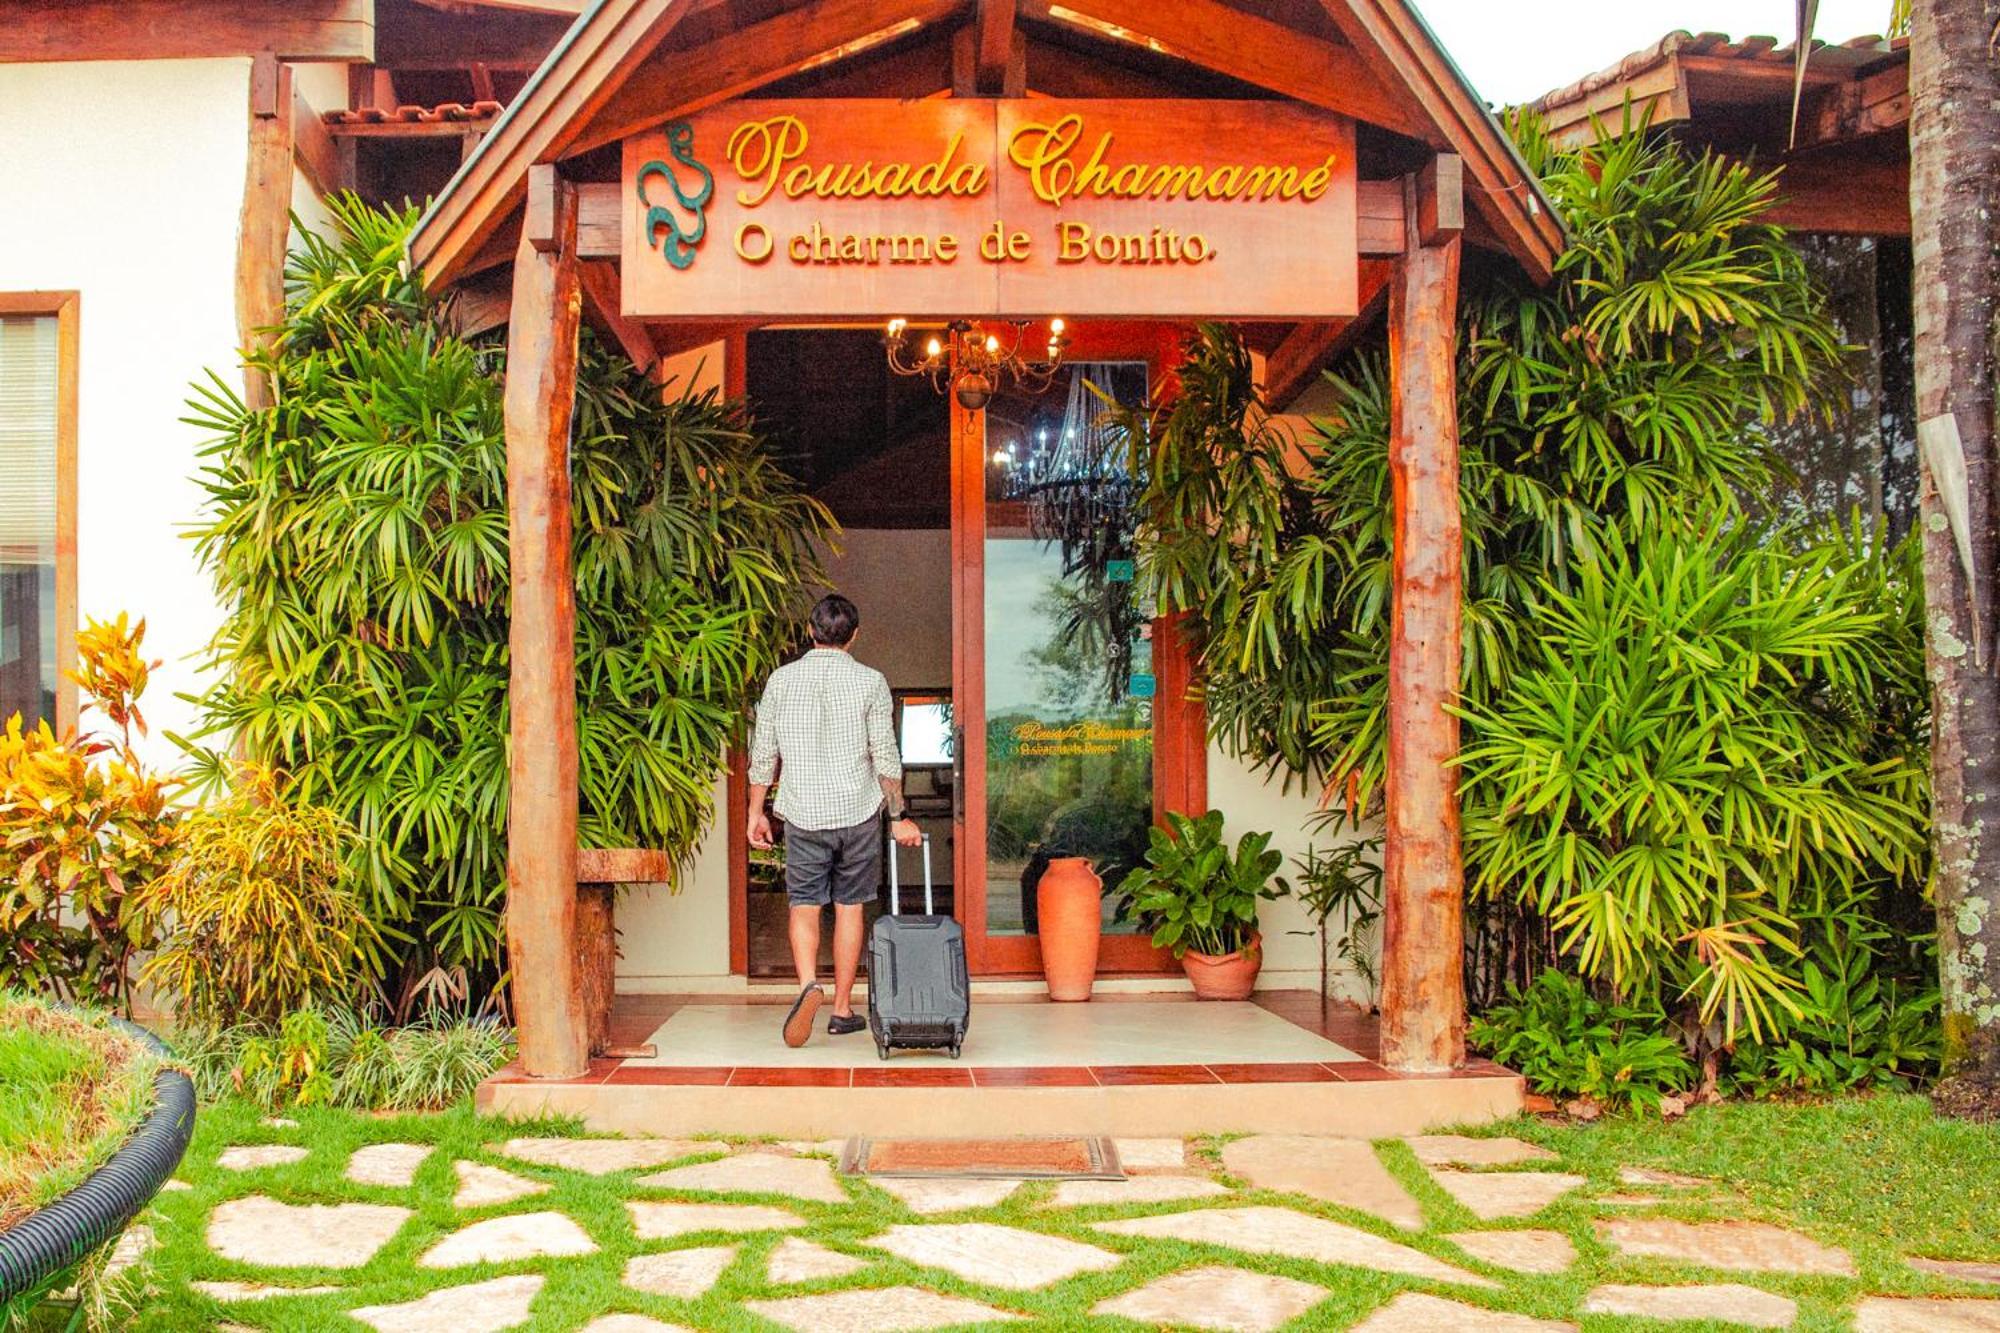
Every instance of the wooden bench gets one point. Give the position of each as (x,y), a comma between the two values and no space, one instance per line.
(599,872)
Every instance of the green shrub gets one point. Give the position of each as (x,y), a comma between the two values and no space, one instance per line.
(1568,1043)
(357,531)
(1700,748)
(256,916)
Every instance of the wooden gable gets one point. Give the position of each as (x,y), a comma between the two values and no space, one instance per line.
(627,65)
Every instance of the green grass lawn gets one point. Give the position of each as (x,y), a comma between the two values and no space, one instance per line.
(1878,1176)
(71,1091)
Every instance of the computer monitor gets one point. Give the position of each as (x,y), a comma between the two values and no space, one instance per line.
(924,728)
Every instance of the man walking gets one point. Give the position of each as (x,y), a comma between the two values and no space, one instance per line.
(827,726)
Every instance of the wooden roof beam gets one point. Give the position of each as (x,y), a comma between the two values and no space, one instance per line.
(318,30)
(599,281)
(1316,344)
(1502,187)
(593,59)
(994,46)
(794,41)
(1243,46)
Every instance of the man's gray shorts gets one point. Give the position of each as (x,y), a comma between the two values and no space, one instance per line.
(839,865)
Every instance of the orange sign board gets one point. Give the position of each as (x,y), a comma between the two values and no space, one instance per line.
(967,206)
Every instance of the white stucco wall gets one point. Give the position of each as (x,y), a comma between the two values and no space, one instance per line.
(124,181)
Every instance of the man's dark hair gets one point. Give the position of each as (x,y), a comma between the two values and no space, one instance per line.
(833,621)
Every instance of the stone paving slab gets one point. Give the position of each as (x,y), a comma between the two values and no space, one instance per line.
(944,1194)
(483,1186)
(885,1310)
(1961,1270)
(489,1307)
(994,1255)
(1887,1314)
(630,1323)
(232,1292)
(1342,1171)
(1151,1154)
(256,1156)
(501,1240)
(1522,1251)
(798,1260)
(754,1173)
(601,1157)
(1496,1194)
(1135,1189)
(1646,1175)
(1282,1231)
(1216,1297)
(260,1230)
(664,1221)
(1725,1302)
(389,1164)
(1738,1246)
(683,1274)
(1414,1312)
(1464,1150)
(812,1147)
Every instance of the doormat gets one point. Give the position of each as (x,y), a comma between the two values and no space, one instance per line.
(1086,1157)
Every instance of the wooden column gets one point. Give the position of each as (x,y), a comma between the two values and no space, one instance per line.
(1423,989)
(549,1010)
(266,217)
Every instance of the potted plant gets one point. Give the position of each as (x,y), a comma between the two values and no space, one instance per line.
(1200,901)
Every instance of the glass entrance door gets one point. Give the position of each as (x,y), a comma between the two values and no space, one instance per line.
(1056,684)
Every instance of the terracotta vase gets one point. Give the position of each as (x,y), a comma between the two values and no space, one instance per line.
(1072,923)
(1230,976)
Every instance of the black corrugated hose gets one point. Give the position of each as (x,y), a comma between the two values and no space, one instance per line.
(52,1239)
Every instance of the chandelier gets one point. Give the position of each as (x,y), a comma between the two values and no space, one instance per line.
(974,361)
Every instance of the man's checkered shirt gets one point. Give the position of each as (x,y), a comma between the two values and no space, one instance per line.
(831,723)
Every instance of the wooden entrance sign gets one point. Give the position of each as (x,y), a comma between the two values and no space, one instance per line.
(1012,207)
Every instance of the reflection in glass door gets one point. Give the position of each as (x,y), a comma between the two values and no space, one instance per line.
(1065,664)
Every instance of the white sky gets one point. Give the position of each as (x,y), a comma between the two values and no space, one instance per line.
(1515,52)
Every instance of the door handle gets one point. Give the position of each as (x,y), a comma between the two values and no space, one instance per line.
(958,775)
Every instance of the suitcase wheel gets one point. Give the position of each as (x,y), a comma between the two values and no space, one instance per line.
(954,1051)
(881,1051)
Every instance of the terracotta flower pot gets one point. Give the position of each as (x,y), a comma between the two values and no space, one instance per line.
(1231,976)
(1072,922)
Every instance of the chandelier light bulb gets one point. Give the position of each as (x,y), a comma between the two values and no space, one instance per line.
(934,348)
(896,327)
(992,343)
(1055,328)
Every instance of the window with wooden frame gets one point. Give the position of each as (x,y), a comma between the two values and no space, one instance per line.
(38,616)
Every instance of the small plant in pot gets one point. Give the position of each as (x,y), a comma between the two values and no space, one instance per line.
(1200,900)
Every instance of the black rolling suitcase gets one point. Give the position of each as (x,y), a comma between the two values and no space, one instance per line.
(919,995)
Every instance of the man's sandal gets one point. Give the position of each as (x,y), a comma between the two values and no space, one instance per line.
(799,1022)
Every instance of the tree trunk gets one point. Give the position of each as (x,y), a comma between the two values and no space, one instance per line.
(1954,192)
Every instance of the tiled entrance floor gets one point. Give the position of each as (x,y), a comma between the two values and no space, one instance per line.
(1122,1063)
(1010,1036)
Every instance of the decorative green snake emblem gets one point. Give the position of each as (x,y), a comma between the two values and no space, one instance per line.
(678,245)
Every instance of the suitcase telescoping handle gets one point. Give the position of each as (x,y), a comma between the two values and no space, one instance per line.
(895,889)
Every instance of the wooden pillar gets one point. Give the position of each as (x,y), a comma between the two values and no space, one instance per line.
(265,224)
(1423,988)
(549,1010)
